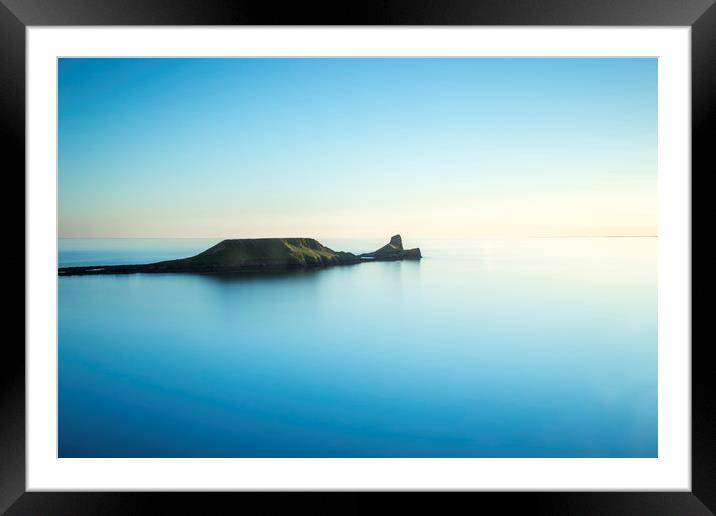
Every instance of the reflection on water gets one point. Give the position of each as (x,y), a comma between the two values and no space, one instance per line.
(485,348)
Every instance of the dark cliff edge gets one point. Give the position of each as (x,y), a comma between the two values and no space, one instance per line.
(256,255)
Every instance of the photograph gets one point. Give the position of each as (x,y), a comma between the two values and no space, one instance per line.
(357,257)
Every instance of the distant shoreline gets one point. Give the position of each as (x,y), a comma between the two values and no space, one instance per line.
(255,255)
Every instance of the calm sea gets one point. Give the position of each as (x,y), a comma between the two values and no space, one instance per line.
(485,348)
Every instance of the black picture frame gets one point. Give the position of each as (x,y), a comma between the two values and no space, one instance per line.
(16,15)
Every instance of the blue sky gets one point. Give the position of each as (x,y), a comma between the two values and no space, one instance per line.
(357,147)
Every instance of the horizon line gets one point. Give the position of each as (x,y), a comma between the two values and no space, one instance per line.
(347,238)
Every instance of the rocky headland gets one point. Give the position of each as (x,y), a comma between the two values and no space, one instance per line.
(256,255)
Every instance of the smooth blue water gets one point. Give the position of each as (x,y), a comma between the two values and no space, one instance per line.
(485,348)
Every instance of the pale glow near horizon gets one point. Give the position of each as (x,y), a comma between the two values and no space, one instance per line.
(357,148)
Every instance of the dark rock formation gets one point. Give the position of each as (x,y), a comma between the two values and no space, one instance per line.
(256,255)
(393,251)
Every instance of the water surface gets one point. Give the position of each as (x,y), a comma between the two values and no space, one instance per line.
(485,348)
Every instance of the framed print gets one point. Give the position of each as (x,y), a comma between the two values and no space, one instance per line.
(429,251)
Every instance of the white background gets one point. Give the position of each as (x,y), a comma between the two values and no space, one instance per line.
(670,471)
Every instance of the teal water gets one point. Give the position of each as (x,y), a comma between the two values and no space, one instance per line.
(485,348)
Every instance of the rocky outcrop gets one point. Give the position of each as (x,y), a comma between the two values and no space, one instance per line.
(393,250)
(257,255)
